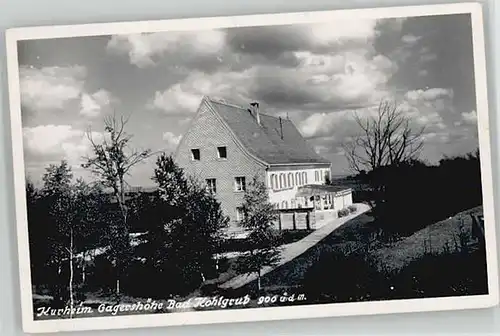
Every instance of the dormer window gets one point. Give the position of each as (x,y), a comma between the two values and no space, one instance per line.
(222,152)
(195,154)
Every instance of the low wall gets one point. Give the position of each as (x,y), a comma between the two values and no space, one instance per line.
(296,220)
(323,216)
(302,220)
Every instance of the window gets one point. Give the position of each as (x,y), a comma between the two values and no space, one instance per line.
(290,180)
(326,176)
(304,177)
(239,183)
(222,151)
(240,214)
(274,182)
(195,154)
(297,179)
(282,181)
(211,185)
(284,205)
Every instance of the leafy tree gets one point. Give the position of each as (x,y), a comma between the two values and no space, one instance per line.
(111,162)
(207,221)
(73,217)
(39,234)
(92,219)
(56,191)
(189,233)
(263,238)
(59,199)
(172,194)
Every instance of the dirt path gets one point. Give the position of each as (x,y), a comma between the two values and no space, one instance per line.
(293,250)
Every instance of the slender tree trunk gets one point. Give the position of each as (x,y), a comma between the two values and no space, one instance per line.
(71,302)
(83,270)
(120,196)
(123,206)
(258,280)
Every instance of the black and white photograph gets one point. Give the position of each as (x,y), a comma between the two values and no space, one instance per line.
(252,168)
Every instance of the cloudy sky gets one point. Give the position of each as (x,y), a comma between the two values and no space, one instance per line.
(318,75)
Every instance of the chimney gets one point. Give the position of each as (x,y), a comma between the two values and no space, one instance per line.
(254,107)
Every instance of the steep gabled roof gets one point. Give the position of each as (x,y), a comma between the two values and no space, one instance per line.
(264,141)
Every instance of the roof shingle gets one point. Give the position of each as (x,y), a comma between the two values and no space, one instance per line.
(264,141)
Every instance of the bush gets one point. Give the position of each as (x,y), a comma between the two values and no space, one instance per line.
(343,212)
(352,208)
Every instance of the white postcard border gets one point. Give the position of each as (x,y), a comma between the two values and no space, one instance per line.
(252,314)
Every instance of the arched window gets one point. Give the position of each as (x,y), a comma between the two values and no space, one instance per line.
(282,181)
(290,180)
(273,181)
(297,178)
(304,177)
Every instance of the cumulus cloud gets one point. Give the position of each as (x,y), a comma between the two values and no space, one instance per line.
(185,97)
(171,141)
(428,57)
(429,94)
(321,81)
(56,142)
(145,49)
(50,87)
(410,39)
(436,137)
(430,107)
(285,67)
(275,40)
(318,74)
(470,117)
(92,105)
(424,108)
(334,125)
(322,124)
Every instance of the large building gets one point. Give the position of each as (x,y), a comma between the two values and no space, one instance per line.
(227,145)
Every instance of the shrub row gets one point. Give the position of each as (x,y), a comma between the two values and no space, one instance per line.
(343,212)
(346,211)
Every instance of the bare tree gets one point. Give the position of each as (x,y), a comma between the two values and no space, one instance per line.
(386,139)
(111,162)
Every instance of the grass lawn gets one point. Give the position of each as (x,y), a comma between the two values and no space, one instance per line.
(348,237)
(345,267)
(348,265)
(441,237)
(290,236)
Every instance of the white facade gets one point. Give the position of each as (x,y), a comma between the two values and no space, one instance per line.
(342,199)
(283,184)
